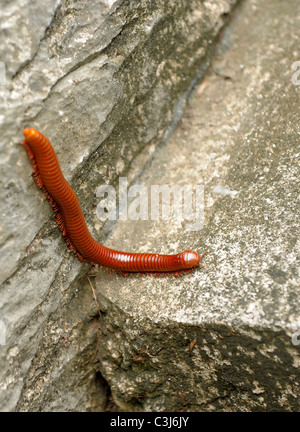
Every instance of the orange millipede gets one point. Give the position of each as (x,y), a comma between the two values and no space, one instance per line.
(70,220)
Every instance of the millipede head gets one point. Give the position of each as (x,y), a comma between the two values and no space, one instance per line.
(30,133)
(191,259)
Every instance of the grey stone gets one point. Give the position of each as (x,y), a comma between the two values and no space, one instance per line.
(227,340)
(105,82)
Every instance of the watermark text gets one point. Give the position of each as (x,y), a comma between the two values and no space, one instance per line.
(2,73)
(161,202)
(296,74)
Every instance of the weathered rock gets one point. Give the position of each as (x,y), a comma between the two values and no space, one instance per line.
(103,81)
(227,340)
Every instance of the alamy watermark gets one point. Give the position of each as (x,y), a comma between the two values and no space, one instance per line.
(161,202)
(296,338)
(2,333)
(296,74)
(2,73)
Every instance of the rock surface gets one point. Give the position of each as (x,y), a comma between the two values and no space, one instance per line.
(105,81)
(227,340)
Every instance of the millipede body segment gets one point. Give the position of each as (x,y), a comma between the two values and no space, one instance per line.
(69,217)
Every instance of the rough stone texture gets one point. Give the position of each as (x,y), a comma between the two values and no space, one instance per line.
(103,80)
(227,340)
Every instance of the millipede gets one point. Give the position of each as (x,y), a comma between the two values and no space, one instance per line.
(49,178)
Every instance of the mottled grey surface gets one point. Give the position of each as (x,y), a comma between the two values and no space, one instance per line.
(103,80)
(227,340)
